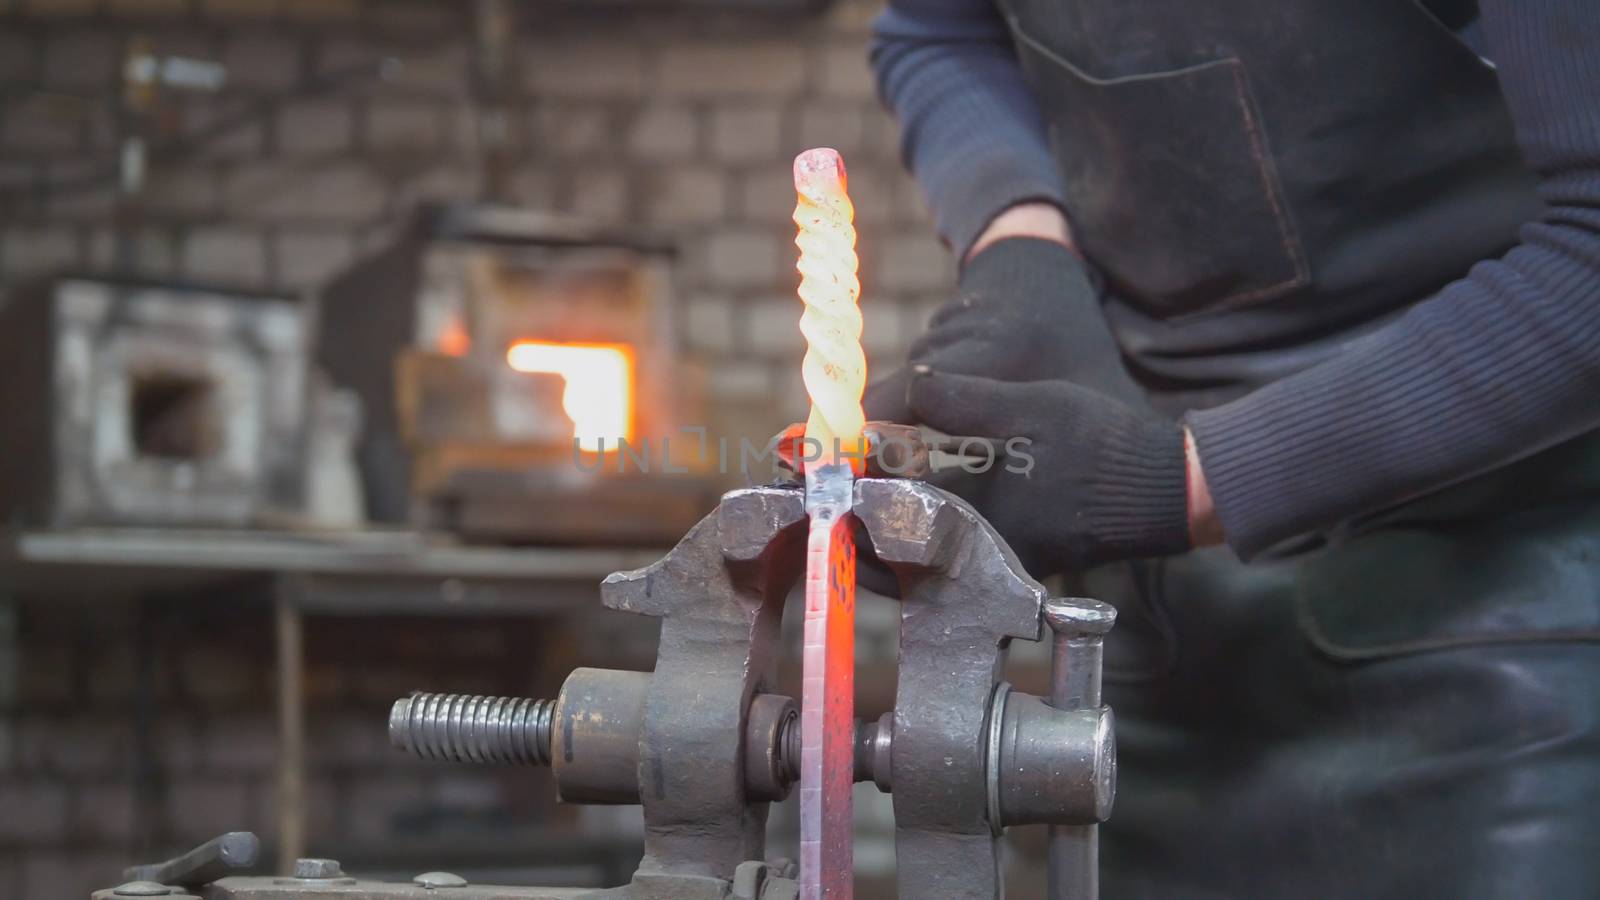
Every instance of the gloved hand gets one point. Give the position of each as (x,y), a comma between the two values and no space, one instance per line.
(1087,478)
(1025,310)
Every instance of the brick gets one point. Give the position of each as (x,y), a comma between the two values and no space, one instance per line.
(326,817)
(746,134)
(445,182)
(767,194)
(45,677)
(723,68)
(74,747)
(315,127)
(51,875)
(911,204)
(244,139)
(322,10)
(788,401)
(732,381)
(154,251)
(238,745)
(175,743)
(914,263)
(240,9)
(419,16)
(585,68)
(213,672)
(342,54)
(881,333)
(742,259)
(343,191)
(437,72)
(773,327)
(573,131)
(147,7)
(236,256)
(841,126)
(17,57)
(872,191)
(43,127)
(664,134)
(202,808)
(73,8)
(881,134)
(684,196)
(533,187)
(81,60)
(183,190)
(257,61)
(600,194)
(404,125)
(383,806)
(305,259)
(37,250)
(83,203)
(104,811)
(842,71)
(375,683)
(35,811)
(708,325)
(347,740)
(465,791)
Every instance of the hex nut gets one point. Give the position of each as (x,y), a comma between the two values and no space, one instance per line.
(317,869)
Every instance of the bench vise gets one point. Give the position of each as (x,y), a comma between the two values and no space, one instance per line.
(704,743)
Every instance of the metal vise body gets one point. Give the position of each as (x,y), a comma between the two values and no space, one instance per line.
(703,743)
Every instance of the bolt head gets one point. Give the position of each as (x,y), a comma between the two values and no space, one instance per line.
(317,868)
(439,880)
(142,889)
(1079,615)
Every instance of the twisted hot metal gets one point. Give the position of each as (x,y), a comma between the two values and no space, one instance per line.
(835,368)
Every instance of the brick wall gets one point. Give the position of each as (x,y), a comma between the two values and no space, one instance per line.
(133,729)
(686,122)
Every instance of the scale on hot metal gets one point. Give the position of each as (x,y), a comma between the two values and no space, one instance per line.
(703,742)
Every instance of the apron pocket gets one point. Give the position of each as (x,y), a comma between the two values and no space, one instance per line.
(1170,185)
(1523,576)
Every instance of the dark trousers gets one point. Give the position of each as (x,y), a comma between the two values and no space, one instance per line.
(1410,712)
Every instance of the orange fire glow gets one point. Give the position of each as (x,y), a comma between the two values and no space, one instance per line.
(599,392)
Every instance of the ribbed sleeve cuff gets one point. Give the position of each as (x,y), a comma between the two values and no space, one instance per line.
(969,205)
(1139,502)
(1024,267)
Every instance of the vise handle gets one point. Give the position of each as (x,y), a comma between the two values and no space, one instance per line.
(217,858)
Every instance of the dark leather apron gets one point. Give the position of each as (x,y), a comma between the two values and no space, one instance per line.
(1261,180)
(1409,707)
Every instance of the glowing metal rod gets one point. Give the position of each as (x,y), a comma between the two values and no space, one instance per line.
(835,368)
(835,372)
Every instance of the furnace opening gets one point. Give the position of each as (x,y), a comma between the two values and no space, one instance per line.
(172,416)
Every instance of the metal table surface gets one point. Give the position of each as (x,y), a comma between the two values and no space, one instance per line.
(348,573)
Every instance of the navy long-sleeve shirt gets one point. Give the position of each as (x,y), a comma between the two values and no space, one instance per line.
(1496,366)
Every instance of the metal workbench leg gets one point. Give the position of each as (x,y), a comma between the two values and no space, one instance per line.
(291,725)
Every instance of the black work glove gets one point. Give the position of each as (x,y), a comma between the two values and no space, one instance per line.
(1083,478)
(1025,310)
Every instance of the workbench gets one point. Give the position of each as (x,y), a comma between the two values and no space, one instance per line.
(346,573)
